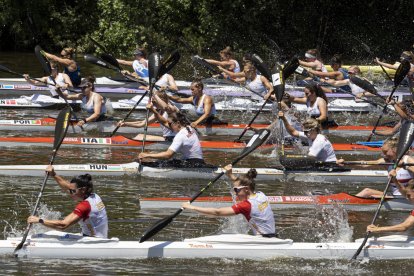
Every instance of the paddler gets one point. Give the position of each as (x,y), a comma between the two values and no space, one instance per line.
(316,103)
(313,61)
(319,146)
(257,83)
(90,212)
(400,176)
(338,73)
(93,103)
(254,206)
(406,55)
(203,104)
(226,60)
(161,109)
(71,68)
(140,64)
(55,81)
(401,227)
(185,142)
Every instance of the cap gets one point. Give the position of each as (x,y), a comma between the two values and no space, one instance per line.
(85,83)
(138,53)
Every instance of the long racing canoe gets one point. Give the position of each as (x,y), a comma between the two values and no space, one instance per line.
(332,175)
(48,124)
(54,244)
(124,142)
(345,200)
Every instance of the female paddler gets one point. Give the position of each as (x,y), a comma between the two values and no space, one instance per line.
(92,102)
(185,142)
(226,60)
(72,69)
(161,109)
(401,227)
(55,81)
(203,104)
(252,204)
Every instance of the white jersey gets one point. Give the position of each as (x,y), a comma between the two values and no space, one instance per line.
(96,223)
(187,144)
(355,89)
(257,86)
(163,81)
(320,148)
(313,110)
(403,176)
(60,80)
(166,132)
(236,66)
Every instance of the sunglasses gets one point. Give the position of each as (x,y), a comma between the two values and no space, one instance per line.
(170,124)
(307,131)
(238,189)
(73,191)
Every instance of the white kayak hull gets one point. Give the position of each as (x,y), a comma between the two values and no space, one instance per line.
(55,244)
(269,174)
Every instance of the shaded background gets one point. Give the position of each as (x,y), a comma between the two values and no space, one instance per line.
(358,30)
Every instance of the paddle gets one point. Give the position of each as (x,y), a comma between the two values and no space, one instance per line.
(48,70)
(302,71)
(154,69)
(254,142)
(277,80)
(366,85)
(400,74)
(404,143)
(61,128)
(43,60)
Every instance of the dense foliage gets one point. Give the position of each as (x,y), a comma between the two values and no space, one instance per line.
(386,27)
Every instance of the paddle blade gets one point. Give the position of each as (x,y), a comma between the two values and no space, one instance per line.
(111,60)
(364,84)
(401,72)
(203,63)
(158,226)
(290,67)
(97,61)
(5,69)
(168,63)
(257,140)
(154,63)
(62,124)
(43,61)
(302,71)
(278,82)
(97,44)
(406,139)
(261,66)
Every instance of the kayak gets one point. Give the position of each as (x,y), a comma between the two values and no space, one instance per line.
(334,175)
(54,244)
(48,124)
(121,90)
(233,104)
(124,142)
(345,200)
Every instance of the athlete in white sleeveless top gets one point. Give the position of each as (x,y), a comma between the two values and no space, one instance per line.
(254,206)
(54,81)
(90,212)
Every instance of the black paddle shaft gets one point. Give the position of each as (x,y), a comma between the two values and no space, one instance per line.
(254,142)
(61,128)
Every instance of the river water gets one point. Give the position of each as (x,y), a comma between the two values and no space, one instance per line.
(121,196)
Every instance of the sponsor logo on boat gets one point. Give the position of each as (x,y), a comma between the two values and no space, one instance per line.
(27,122)
(22,86)
(200,245)
(104,141)
(7,86)
(104,167)
(298,198)
(275,199)
(71,139)
(333,200)
(8,102)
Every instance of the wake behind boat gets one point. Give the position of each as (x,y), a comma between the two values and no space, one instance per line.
(345,200)
(54,244)
(48,124)
(329,174)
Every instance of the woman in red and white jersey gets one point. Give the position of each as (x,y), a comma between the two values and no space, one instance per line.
(90,212)
(254,206)
(401,227)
